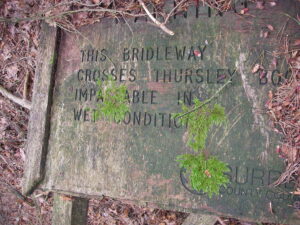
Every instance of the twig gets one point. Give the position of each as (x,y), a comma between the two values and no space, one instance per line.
(208,100)
(221,221)
(7,164)
(22,102)
(286,176)
(88,5)
(159,24)
(298,22)
(170,13)
(41,17)
(17,193)
(25,87)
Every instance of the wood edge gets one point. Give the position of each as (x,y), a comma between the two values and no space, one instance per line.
(36,149)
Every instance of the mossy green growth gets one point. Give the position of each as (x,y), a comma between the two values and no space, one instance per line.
(200,122)
(205,173)
(52,59)
(113,103)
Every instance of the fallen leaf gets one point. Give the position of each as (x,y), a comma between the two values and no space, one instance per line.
(66,198)
(297,42)
(272,4)
(270,208)
(244,11)
(22,153)
(295,62)
(255,68)
(262,74)
(197,53)
(274,62)
(207,173)
(260,5)
(278,149)
(171,216)
(6,52)
(270,27)
(270,95)
(286,103)
(261,34)
(106,2)
(12,70)
(294,54)
(266,34)
(297,115)
(221,77)
(126,212)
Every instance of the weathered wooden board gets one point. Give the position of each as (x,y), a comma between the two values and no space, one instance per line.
(136,159)
(39,122)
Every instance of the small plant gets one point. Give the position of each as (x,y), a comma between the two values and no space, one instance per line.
(205,174)
(200,121)
(113,103)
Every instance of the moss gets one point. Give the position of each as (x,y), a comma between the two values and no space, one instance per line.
(53,58)
(206,173)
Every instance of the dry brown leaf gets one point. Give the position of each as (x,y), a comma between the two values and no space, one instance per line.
(274,62)
(270,95)
(207,173)
(260,5)
(286,103)
(244,11)
(262,74)
(66,198)
(6,53)
(297,115)
(296,42)
(270,208)
(295,62)
(270,27)
(266,34)
(261,34)
(294,54)
(12,70)
(255,68)
(106,2)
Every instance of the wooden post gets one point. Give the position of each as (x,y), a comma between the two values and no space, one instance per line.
(69,210)
(200,219)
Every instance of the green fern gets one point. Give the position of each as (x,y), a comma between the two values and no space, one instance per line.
(114,104)
(204,174)
(200,122)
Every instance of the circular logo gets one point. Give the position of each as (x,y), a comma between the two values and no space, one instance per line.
(185,182)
